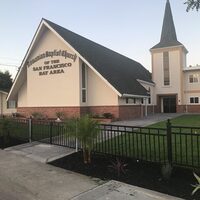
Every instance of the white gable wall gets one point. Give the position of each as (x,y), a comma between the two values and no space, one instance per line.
(99,94)
(60,89)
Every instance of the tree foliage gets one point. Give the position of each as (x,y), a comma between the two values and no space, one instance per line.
(192,4)
(5,81)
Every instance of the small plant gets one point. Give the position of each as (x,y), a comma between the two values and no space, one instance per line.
(37,115)
(96,116)
(166,171)
(108,115)
(118,166)
(60,115)
(86,130)
(197,186)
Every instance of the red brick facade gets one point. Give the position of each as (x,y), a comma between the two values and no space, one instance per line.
(119,112)
(49,112)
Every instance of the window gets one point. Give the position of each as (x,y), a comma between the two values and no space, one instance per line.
(149,99)
(166,68)
(130,100)
(193,78)
(83,93)
(142,101)
(11,104)
(194,99)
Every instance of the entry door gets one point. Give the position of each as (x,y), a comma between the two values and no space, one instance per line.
(169,104)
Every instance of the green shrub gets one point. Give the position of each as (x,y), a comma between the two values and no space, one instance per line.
(108,115)
(60,115)
(37,115)
(118,167)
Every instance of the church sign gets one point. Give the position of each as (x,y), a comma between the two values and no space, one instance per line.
(54,66)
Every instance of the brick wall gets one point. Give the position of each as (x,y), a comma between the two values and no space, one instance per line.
(50,111)
(119,112)
(130,112)
(193,108)
(99,110)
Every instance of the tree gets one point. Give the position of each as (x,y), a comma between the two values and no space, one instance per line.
(85,129)
(192,4)
(5,81)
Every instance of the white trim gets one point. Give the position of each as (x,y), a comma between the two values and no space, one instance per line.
(170,47)
(1,91)
(135,96)
(195,68)
(25,58)
(145,82)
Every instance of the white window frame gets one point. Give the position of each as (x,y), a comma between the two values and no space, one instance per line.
(194,100)
(194,78)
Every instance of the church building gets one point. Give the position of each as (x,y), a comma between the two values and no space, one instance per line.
(177,86)
(65,72)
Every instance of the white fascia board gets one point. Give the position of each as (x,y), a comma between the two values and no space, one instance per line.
(135,96)
(145,82)
(3,92)
(82,58)
(162,48)
(191,69)
(24,60)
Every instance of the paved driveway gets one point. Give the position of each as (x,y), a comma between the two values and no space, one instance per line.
(145,121)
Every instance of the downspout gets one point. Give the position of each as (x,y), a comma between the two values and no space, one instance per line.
(1,104)
(146,111)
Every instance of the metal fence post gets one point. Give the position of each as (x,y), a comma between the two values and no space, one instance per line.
(51,127)
(76,137)
(169,141)
(30,129)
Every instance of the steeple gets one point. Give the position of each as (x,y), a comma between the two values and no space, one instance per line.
(168,35)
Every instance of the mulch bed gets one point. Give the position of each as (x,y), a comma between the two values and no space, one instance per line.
(9,142)
(146,175)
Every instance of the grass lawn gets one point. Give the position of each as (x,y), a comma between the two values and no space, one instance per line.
(184,120)
(150,143)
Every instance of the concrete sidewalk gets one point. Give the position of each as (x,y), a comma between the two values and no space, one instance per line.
(118,191)
(22,178)
(40,151)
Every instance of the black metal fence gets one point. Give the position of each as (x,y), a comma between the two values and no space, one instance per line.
(177,145)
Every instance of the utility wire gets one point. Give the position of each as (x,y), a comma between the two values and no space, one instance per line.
(7,58)
(8,65)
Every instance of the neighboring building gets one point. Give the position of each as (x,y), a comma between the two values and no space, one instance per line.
(6,108)
(177,87)
(65,72)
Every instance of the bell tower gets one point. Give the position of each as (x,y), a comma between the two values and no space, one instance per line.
(168,61)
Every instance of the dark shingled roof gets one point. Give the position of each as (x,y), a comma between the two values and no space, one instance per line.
(121,72)
(168,35)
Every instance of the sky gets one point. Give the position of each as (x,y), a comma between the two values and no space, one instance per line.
(130,27)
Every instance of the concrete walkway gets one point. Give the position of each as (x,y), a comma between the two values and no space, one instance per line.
(22,178)
(146,121)
(114,190)
(40,151)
